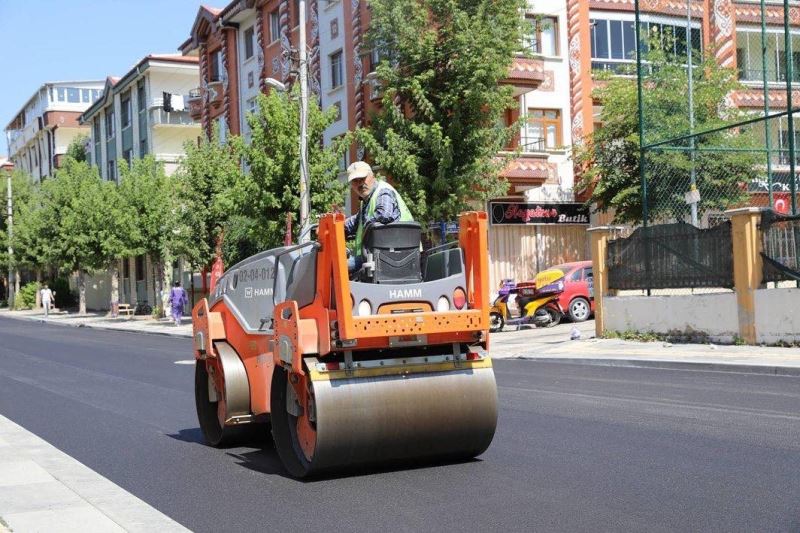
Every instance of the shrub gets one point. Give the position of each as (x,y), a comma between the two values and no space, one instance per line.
(26,299)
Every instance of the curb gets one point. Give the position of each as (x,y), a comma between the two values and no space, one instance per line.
(100,327)
(772,370)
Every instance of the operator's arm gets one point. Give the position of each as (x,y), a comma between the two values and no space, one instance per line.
(386,208)
(351,225)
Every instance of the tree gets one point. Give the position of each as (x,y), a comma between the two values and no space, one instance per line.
(22,189)
(82,222)
(438,132)
(205,187)
(270,187)
(151,196)
(609,157)
(77,148)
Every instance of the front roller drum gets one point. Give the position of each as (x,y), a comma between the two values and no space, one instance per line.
(370,420)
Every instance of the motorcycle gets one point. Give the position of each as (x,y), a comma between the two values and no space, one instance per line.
(537,300)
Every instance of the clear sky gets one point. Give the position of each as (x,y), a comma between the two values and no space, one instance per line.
(53,40)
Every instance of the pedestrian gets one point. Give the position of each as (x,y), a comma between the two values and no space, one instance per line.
(177,301)
(47,299)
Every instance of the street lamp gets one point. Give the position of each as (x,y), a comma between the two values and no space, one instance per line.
(304,199)
(11,281)
(275,84)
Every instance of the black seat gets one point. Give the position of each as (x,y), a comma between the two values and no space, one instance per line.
(394,251)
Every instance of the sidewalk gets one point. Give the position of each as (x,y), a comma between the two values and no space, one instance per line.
(554,345)
(138,324)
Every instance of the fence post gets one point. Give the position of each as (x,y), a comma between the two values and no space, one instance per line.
(599,242)
(747,267)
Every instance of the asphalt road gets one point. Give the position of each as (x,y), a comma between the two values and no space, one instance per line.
(578,448)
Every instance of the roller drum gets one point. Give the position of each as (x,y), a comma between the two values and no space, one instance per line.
(370,420)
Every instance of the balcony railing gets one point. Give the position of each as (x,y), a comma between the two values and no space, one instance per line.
(195,103)
(159,117)
(772,77)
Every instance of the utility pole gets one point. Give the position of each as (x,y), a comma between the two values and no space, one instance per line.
(689,45)
(10,212)
(304,194)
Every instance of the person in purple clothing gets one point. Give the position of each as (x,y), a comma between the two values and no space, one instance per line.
(177,301)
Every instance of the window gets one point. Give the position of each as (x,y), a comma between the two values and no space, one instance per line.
(336,69)
(576,276)
(544,35)
(214,67)
(374,59)
(127,155)
(749,59)
(86,96)
(73,95)
(109,124)
(252,105)
(274,26)
(543,130)
(141,97)
(111,167)
(96,129)
(143,148)
(248,42)
(95,94)
(338,107)
(140,273)
(613,42)
(222,129)
(62,94)
(125,111)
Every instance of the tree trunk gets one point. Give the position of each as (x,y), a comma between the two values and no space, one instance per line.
(39,286)
(81,292)
(16,283)
(157,281)
(114,288)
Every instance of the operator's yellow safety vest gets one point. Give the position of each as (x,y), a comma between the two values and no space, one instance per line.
(405,214)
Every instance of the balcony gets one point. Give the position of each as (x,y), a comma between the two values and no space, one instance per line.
(216,93)
(159,117)
(529,168)
(195,104)
(525,74)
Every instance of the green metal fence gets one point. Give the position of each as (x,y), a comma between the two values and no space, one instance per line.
(714,137)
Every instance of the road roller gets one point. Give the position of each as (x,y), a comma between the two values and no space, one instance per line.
(388,364)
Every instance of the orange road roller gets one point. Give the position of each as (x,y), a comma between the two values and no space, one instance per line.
(386,364)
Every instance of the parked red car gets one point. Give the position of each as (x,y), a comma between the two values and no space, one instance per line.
(577,300)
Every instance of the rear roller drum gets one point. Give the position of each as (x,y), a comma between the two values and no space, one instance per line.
(212,424)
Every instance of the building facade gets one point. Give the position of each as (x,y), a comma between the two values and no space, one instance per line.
(129,120)
(40,133)
(601,37)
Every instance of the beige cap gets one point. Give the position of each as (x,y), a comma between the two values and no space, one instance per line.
(359,169)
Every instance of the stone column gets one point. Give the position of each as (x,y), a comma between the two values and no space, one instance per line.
(599,243)
(747,267)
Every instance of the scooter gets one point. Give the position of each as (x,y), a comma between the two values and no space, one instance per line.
(538,302)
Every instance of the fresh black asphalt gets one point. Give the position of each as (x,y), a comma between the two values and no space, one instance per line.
(578,448)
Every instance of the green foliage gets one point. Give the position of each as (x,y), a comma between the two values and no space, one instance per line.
(77,148)
(26,298)
(23,194)
(439,129)
(205,185)
(609,157)
(270,188)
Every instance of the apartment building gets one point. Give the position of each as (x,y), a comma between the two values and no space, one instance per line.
(244,44)
(40,133)
(129,119)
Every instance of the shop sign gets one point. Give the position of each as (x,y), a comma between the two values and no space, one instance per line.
(538,213)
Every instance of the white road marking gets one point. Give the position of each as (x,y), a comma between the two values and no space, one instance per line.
(185,362)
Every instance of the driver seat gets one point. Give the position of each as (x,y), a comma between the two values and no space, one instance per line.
(391,253)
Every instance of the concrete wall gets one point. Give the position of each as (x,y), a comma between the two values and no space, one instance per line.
(98,290)
(713,314)
(777,315)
